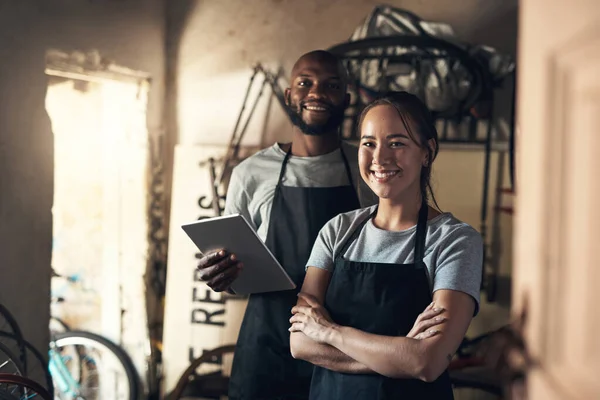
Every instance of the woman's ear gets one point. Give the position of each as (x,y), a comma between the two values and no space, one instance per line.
(430,155)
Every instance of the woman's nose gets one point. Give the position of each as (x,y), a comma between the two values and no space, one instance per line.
(381,155)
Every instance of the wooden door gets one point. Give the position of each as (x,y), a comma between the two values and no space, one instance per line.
(557,235)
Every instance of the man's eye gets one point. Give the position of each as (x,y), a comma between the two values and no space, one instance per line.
(303,83)
(334,86)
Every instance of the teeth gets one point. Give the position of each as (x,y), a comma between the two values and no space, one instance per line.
(316,108)
(383,175)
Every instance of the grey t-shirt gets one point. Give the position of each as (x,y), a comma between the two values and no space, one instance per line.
(252,184)
(453,249)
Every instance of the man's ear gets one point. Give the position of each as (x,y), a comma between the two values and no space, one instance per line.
(286,93)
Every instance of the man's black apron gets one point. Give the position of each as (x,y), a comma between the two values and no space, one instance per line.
(383,299)
(263,367)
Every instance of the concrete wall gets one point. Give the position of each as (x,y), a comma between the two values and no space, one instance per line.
(132,34)
(212,46)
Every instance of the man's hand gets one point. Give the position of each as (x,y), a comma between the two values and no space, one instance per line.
(219,269)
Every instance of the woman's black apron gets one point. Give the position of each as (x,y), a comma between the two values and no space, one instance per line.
(383,299)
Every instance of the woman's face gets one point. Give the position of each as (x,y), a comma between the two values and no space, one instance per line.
(390,161)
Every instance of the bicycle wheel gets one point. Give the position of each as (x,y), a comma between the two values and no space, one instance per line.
(15,387)
(106,370)
(37,367)
(9,363)
(8,324)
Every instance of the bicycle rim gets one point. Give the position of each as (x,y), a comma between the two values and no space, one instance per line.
(101,352)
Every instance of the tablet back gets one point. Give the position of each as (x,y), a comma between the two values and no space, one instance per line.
(262,272)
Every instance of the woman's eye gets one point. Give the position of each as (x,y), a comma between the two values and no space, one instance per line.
(396,144)
(368,144)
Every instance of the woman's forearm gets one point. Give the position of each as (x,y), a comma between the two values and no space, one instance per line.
(391,356)
(324,355)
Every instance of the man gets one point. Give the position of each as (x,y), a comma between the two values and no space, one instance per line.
(288,192)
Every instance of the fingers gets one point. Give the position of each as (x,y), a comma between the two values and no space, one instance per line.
(427,319)
(425,325)
(430,315)
(209,259)
(427,334)
(430,306)
(224,280)
(212,271)
(300,309)
(298,318)
(298,323)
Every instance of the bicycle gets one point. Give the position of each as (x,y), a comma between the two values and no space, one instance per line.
(85,365)
(15,387)
(16,367)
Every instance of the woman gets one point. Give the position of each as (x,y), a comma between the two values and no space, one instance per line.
(373,270)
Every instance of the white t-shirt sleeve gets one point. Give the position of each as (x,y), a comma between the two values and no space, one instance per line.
(237,199)
(460,262)
(322,254)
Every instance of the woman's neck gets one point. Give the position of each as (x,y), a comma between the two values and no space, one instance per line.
(398,215)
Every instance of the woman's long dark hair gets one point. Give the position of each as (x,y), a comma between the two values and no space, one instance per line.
(420,126)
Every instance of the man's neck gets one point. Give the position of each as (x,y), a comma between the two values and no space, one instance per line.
(304,145)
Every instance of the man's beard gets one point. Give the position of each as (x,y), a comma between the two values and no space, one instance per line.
(336,117)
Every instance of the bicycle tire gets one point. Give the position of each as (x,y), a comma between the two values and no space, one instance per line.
(26,383)
(13,358)
(16,330)
(37,355)
(481,80)
(70,339)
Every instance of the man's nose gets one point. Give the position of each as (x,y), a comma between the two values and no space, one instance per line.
(317,91)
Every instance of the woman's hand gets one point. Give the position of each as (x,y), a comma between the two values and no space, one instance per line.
(313,320)
(427,320)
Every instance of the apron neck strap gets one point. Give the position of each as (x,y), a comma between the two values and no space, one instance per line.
(348,170)
(284,164)
(419,240)
(354,235)
(421,233)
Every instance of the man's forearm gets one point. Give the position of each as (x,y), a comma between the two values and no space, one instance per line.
(325,356)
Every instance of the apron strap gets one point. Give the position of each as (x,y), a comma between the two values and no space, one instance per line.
(353,236)
(421,234)
(419,240)
(344,159)
(283,165)
(348,170)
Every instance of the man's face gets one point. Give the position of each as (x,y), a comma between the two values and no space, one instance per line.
(317,97)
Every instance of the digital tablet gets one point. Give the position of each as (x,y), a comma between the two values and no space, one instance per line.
(261,273)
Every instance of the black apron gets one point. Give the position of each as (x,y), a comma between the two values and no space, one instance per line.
(263,367)
(383,299)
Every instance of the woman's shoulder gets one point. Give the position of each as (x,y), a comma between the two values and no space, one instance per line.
(447,226)
(348,219)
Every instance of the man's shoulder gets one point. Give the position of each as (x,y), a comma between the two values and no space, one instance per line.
(260,162)
(350,149)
